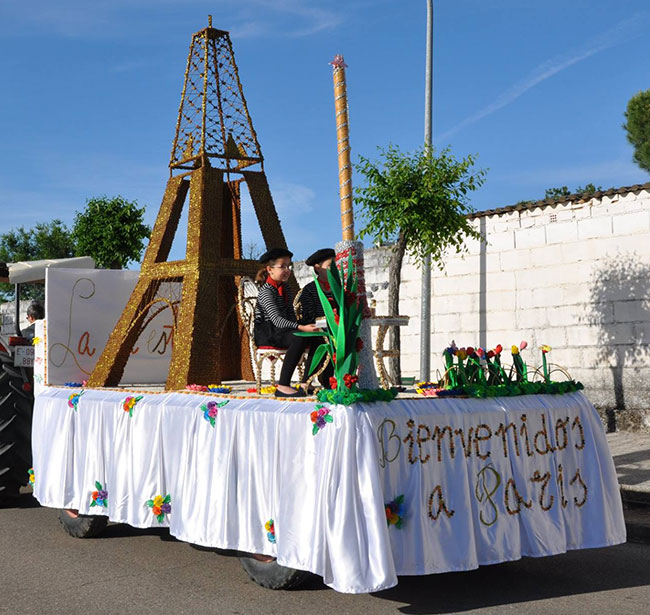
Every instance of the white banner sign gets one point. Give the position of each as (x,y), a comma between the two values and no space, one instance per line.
(82,308)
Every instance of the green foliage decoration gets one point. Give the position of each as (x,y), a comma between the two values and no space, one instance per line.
(342,337)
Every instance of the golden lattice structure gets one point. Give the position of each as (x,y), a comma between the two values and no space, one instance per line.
(213,124)
(213,119)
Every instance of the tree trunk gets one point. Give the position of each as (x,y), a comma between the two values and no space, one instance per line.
(394,281)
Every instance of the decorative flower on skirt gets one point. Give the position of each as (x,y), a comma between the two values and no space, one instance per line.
(100,496)
(211,409)
(160,506)
(269,526)
(395,511)
(73,400)
(30,474)
(129,404)
(320,417)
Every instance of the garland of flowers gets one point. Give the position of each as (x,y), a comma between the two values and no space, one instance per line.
(347,397)
(512,390)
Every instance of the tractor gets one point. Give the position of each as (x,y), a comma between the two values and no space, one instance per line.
(17,377)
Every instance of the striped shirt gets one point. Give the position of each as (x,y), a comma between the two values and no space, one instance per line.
(311,307)
(271,307)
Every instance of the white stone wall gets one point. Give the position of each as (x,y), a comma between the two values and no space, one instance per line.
(575,276)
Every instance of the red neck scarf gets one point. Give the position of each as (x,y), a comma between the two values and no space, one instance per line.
(279,286)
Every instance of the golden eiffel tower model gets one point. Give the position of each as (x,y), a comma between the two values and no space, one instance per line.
(214,139)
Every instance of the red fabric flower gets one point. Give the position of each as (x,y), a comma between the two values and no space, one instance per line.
(349,380)
(332,382)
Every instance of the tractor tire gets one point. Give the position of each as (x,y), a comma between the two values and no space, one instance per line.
(16,408)
(82,526)
(271,575)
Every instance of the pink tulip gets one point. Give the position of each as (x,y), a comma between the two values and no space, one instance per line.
(523,345)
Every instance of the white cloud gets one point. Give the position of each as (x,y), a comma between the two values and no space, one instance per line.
(119,18)
(622,32)
(291,198)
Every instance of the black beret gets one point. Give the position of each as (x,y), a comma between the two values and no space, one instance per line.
(273,253)
(319,256)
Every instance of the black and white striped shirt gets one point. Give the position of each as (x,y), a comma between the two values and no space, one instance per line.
(310,305)
(272,307)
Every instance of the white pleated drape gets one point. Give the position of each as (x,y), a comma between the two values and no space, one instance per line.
(483,481)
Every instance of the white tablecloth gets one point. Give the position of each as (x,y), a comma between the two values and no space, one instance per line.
(483,481)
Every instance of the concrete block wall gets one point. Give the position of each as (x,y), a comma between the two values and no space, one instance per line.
(574,275)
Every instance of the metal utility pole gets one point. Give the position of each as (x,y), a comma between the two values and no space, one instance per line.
(425,306)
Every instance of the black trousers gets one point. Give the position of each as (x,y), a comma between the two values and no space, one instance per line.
(268,335)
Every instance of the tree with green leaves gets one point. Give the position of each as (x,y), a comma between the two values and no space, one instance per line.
(637,126)
(111,230)
(44,240)
(418,201)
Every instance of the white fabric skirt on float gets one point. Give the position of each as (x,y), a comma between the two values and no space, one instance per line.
(357,495)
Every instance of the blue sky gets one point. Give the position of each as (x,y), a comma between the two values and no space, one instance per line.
(90,94)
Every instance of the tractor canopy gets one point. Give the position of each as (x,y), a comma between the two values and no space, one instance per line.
(33,272)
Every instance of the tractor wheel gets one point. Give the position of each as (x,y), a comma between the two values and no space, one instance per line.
(82,526)
(271,575)
(16,407)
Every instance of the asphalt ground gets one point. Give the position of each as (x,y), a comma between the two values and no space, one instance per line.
(44,571)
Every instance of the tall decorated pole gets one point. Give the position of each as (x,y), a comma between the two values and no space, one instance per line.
(347,246)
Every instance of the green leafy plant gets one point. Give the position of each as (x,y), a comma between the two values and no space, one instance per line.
(342,341)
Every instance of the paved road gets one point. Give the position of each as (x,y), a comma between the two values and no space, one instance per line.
(43,571)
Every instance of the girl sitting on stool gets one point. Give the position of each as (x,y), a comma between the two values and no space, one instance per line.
(275,319)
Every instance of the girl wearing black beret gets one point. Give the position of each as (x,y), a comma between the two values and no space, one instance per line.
(275,319)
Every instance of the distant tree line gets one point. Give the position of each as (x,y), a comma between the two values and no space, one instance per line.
(110,229)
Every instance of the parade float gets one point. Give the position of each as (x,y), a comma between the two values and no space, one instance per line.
(356,485)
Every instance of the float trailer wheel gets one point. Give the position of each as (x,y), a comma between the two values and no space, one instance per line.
(81,526)
(271,575)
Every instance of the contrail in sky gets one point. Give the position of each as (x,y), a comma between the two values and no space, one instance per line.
(631,28)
